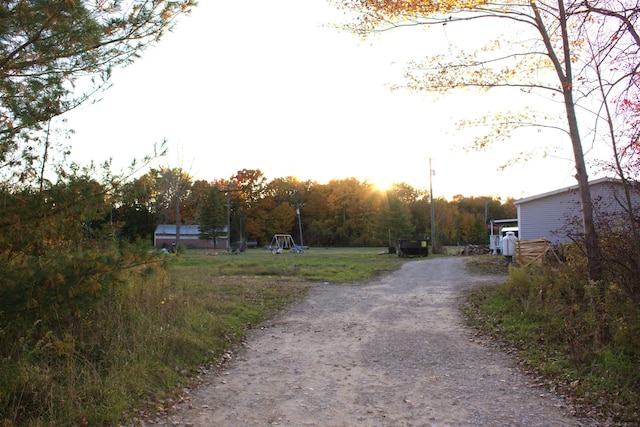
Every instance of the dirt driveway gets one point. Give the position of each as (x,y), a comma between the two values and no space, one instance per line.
(393,352)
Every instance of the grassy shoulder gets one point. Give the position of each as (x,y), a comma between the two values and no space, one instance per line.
(144,341)
(545,317)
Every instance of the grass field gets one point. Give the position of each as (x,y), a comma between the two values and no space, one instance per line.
(329,265)
(208,300)
(149,337)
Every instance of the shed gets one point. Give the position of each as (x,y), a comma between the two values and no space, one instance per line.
(557,215)
(165,236)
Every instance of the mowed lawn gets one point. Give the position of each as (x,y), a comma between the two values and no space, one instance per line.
(327,265)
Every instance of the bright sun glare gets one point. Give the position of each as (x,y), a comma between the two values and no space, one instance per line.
(382,184)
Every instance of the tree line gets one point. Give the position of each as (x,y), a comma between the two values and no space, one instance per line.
(341,212)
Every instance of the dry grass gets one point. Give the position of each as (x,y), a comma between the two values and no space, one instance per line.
(487,264)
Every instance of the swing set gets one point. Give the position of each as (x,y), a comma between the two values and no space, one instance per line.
(282,242)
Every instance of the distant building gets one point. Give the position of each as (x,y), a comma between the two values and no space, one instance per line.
(557,215)
(165,237)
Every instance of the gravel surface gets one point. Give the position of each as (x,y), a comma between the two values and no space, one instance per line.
(392,352)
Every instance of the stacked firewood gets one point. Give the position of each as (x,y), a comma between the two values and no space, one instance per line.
(476,250)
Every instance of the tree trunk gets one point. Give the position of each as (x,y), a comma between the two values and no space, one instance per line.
(563,69)
(592,246)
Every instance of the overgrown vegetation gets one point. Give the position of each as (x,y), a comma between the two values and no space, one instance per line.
(141,339)
(550,316)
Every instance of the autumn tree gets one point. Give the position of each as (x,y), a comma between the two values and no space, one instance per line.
(317,225)
(289,191)
(344,212)
(393,219)
(250,183)
(541,56)
(280,219)
(245,189)
(173,190)
(211,214)
(417,202)
(472,228)
(352,207)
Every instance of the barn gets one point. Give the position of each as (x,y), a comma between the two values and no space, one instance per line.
(557,215)
(165,237)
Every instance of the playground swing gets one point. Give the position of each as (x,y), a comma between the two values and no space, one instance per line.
(282,242)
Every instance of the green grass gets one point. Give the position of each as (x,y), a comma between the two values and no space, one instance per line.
(334,265)
(544,317)
(126,356)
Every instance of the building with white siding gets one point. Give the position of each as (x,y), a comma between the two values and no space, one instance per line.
(165,237)
(557,215)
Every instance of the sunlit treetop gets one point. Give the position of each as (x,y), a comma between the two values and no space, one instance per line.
(395,8)
(376,13)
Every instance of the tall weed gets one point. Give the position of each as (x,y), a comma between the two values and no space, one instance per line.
(138,340)
(552,315)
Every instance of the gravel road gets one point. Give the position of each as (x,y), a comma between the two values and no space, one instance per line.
(393,352)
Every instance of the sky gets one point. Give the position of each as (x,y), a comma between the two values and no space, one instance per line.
(275,86)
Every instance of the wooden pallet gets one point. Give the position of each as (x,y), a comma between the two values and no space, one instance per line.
(532,251)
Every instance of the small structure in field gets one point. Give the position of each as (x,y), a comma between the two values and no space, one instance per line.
(412,247)
(166,234)
(282,242)
(534,251)
(498,228)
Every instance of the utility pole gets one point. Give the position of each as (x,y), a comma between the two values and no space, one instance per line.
(229,190)
(433,221)
(228,217)
(300,224)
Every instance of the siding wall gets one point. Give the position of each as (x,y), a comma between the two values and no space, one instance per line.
(547,217)
(191,242)
(165,236)
(554,216)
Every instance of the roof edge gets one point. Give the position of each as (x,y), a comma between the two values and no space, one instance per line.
(565,190)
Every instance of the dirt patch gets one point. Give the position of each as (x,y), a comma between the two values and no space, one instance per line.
(394,352)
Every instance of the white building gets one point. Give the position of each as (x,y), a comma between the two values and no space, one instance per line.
(557,215)
(165,236)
